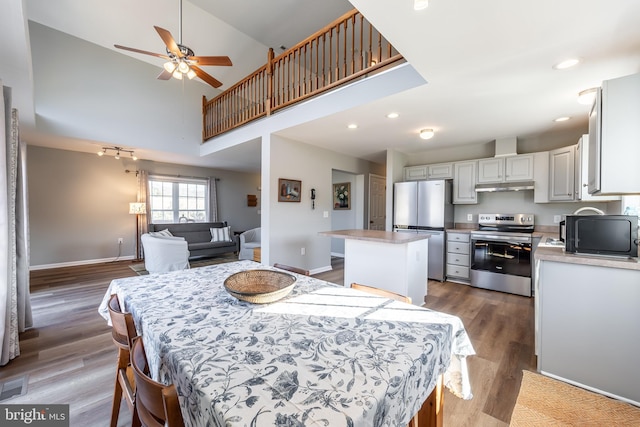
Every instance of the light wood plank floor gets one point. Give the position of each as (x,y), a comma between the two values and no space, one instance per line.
(70,358)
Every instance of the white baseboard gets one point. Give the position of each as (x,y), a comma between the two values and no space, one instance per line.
(320,270)
(82,262)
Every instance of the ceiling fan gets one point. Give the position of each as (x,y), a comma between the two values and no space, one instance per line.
(181,60)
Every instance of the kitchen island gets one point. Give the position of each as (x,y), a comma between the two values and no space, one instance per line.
(397,262)
(588,321)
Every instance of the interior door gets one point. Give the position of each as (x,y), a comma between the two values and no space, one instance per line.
(377,202)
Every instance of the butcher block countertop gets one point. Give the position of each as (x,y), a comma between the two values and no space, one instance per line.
(375,236)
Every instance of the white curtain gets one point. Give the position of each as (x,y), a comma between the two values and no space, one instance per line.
(15,306)
(143,197)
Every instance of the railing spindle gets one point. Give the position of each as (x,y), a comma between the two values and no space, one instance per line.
(322,62)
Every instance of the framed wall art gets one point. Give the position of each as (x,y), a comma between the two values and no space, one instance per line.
(289,190)
(342,195)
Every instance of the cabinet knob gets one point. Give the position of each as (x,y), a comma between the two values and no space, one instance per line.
(584,185)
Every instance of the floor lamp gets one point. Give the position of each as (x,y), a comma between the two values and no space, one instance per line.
(137,209)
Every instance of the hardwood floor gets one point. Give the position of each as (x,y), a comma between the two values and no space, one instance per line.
(70,358)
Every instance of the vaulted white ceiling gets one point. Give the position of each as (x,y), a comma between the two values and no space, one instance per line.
(488,66)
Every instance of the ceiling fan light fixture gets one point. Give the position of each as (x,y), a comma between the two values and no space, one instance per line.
(426,133)
(101,153)
(183,67)
(170,66)
(177,75)
(191,74)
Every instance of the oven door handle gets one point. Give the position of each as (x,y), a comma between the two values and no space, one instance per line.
(498,238)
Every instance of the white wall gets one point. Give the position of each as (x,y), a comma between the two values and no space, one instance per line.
(522,202)
(293,226)
(525,145)
(129,107)
(79,204)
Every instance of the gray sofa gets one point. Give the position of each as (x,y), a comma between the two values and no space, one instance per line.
(198,237)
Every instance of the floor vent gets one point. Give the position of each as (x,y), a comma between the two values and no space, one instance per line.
(13,387)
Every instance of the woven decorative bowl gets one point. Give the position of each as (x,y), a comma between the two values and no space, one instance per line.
(259,286)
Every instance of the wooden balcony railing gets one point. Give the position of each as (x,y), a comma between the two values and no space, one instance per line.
(345,50)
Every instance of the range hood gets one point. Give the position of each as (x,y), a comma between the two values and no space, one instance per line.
(505,186)
(505,147)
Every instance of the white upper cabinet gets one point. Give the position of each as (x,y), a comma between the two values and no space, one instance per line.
(505,169)
(414,173)
(582,172)
(561,174)
(434,171)
(440,171)
(519,168)
(490,170)
(614,132)
(464,182)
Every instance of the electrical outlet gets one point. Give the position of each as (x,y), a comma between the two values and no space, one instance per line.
(325,214)
(120,240)
(469,217)
(302,251)
(556,219)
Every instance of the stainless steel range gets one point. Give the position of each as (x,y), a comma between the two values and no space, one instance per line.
(501,253)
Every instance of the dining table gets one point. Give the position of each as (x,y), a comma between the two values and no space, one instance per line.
(323,355)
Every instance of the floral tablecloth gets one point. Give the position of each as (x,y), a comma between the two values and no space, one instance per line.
(323,356)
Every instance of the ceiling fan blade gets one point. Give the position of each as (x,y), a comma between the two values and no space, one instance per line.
(211,60)
(167,38)
(165,75)
(206,77)
(132,49)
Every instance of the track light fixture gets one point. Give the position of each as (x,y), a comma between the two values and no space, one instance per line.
(118,150)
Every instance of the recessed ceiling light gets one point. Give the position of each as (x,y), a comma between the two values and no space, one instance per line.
(426,133)
(353,126)
(587,96)
(567,63)
(392,115)
(562,119)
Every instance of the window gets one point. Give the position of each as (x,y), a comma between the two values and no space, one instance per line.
(175,200)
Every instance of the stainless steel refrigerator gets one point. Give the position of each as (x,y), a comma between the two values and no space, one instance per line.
(425,207)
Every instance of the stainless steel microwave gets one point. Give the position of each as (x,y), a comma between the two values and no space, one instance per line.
(615,235)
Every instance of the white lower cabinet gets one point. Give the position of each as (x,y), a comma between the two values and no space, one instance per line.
(588,325)
(458,256)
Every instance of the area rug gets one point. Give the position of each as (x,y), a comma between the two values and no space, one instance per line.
(229,257)
(547,402)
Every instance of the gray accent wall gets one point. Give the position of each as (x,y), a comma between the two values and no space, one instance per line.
(79,204)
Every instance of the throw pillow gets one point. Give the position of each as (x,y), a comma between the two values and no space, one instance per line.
(161,233)
(221,234)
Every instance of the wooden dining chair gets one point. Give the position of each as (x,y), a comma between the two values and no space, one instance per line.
(122,332)
(292,269)
(381,292)
(156,404)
